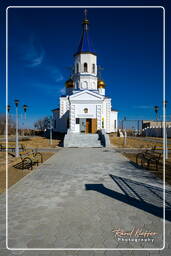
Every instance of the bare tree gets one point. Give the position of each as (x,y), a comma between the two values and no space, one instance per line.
(42,124)
(11,124)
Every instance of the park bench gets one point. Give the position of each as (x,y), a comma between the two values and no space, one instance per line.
(28,159)
(150,157)
(11,147)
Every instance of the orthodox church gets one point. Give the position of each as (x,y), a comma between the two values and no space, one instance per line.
(85,108)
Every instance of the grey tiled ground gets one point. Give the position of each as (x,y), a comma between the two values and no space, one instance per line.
(77,197)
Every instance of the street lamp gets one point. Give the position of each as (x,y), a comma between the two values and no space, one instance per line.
(25,107)
(8,108)
(16,147)
(156,109)
(165,126)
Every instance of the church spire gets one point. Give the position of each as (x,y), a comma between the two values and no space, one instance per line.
(85,21)
(85,45)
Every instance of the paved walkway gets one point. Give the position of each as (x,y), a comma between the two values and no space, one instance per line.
(75,200)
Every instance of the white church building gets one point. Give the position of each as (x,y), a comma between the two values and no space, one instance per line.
(85,108)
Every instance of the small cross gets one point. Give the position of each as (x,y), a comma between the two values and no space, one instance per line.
(85,13)
(71,69)
(99,69)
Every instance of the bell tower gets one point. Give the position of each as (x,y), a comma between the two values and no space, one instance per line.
(85,61)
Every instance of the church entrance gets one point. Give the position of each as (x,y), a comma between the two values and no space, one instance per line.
(88,125)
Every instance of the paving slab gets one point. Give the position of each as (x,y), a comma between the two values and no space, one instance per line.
(77,198)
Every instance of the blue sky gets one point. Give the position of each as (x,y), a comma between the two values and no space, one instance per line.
(128,43)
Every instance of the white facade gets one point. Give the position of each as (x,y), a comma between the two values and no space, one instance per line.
(85,108)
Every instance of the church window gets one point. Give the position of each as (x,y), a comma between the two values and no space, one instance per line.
(115,124)
(84,85)
(93,68)
(85,67)
(77,120)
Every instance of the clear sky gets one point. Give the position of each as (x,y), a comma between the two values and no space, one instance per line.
(128,43)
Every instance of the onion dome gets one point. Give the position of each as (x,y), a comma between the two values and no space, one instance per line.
(69,83)
(101,84)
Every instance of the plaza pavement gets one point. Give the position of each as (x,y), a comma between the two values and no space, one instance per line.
(77,197)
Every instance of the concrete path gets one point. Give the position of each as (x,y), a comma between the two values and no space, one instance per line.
(77,198)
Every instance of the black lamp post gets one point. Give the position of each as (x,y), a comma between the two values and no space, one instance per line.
(25,107)
(156,109)
(8,108)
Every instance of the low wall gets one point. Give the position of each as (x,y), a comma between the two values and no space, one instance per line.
(156,132)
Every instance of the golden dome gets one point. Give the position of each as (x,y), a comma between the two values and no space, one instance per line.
(69,83)
(101,84)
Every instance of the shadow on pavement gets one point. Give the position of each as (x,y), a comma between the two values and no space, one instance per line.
(142,196)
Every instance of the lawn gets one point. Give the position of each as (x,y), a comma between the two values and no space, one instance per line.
(41,142)
(132,142)
(14,174)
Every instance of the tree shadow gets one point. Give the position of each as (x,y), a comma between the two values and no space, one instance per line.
(142,196)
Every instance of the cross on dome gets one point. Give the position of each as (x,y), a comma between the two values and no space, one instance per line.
(85,13)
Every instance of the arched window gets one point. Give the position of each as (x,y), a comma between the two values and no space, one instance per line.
(77,69)
(84,85)
(85,67)
(93,68)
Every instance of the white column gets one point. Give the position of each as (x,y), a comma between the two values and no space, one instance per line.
(108,111)
(99,116)
(72,118)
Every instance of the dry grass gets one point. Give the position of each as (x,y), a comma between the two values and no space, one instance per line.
(14,175)
(159,173)
(132,143)
(41,142)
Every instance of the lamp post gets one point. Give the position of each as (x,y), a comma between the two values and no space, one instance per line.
(25,107)
(16,147)
(8,108)
(165,126)
(156,109)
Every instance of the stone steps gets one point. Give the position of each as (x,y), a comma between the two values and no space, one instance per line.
(81,140)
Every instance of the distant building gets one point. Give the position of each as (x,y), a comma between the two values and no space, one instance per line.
(151,123)
(85,108)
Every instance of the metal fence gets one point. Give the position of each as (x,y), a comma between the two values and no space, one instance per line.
(133,125)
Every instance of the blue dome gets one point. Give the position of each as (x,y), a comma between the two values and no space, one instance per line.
(85,45)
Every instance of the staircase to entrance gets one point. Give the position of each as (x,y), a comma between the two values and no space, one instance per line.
(82,140)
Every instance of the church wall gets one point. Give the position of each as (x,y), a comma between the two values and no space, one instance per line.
(88,82)
(90,59)
(85,78)
(113,121)
(108,113)
(79,111)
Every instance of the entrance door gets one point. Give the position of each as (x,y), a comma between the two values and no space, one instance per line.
(82,124)
(88,125)
(94,125)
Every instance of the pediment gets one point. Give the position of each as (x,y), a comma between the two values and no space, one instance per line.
(86,95)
